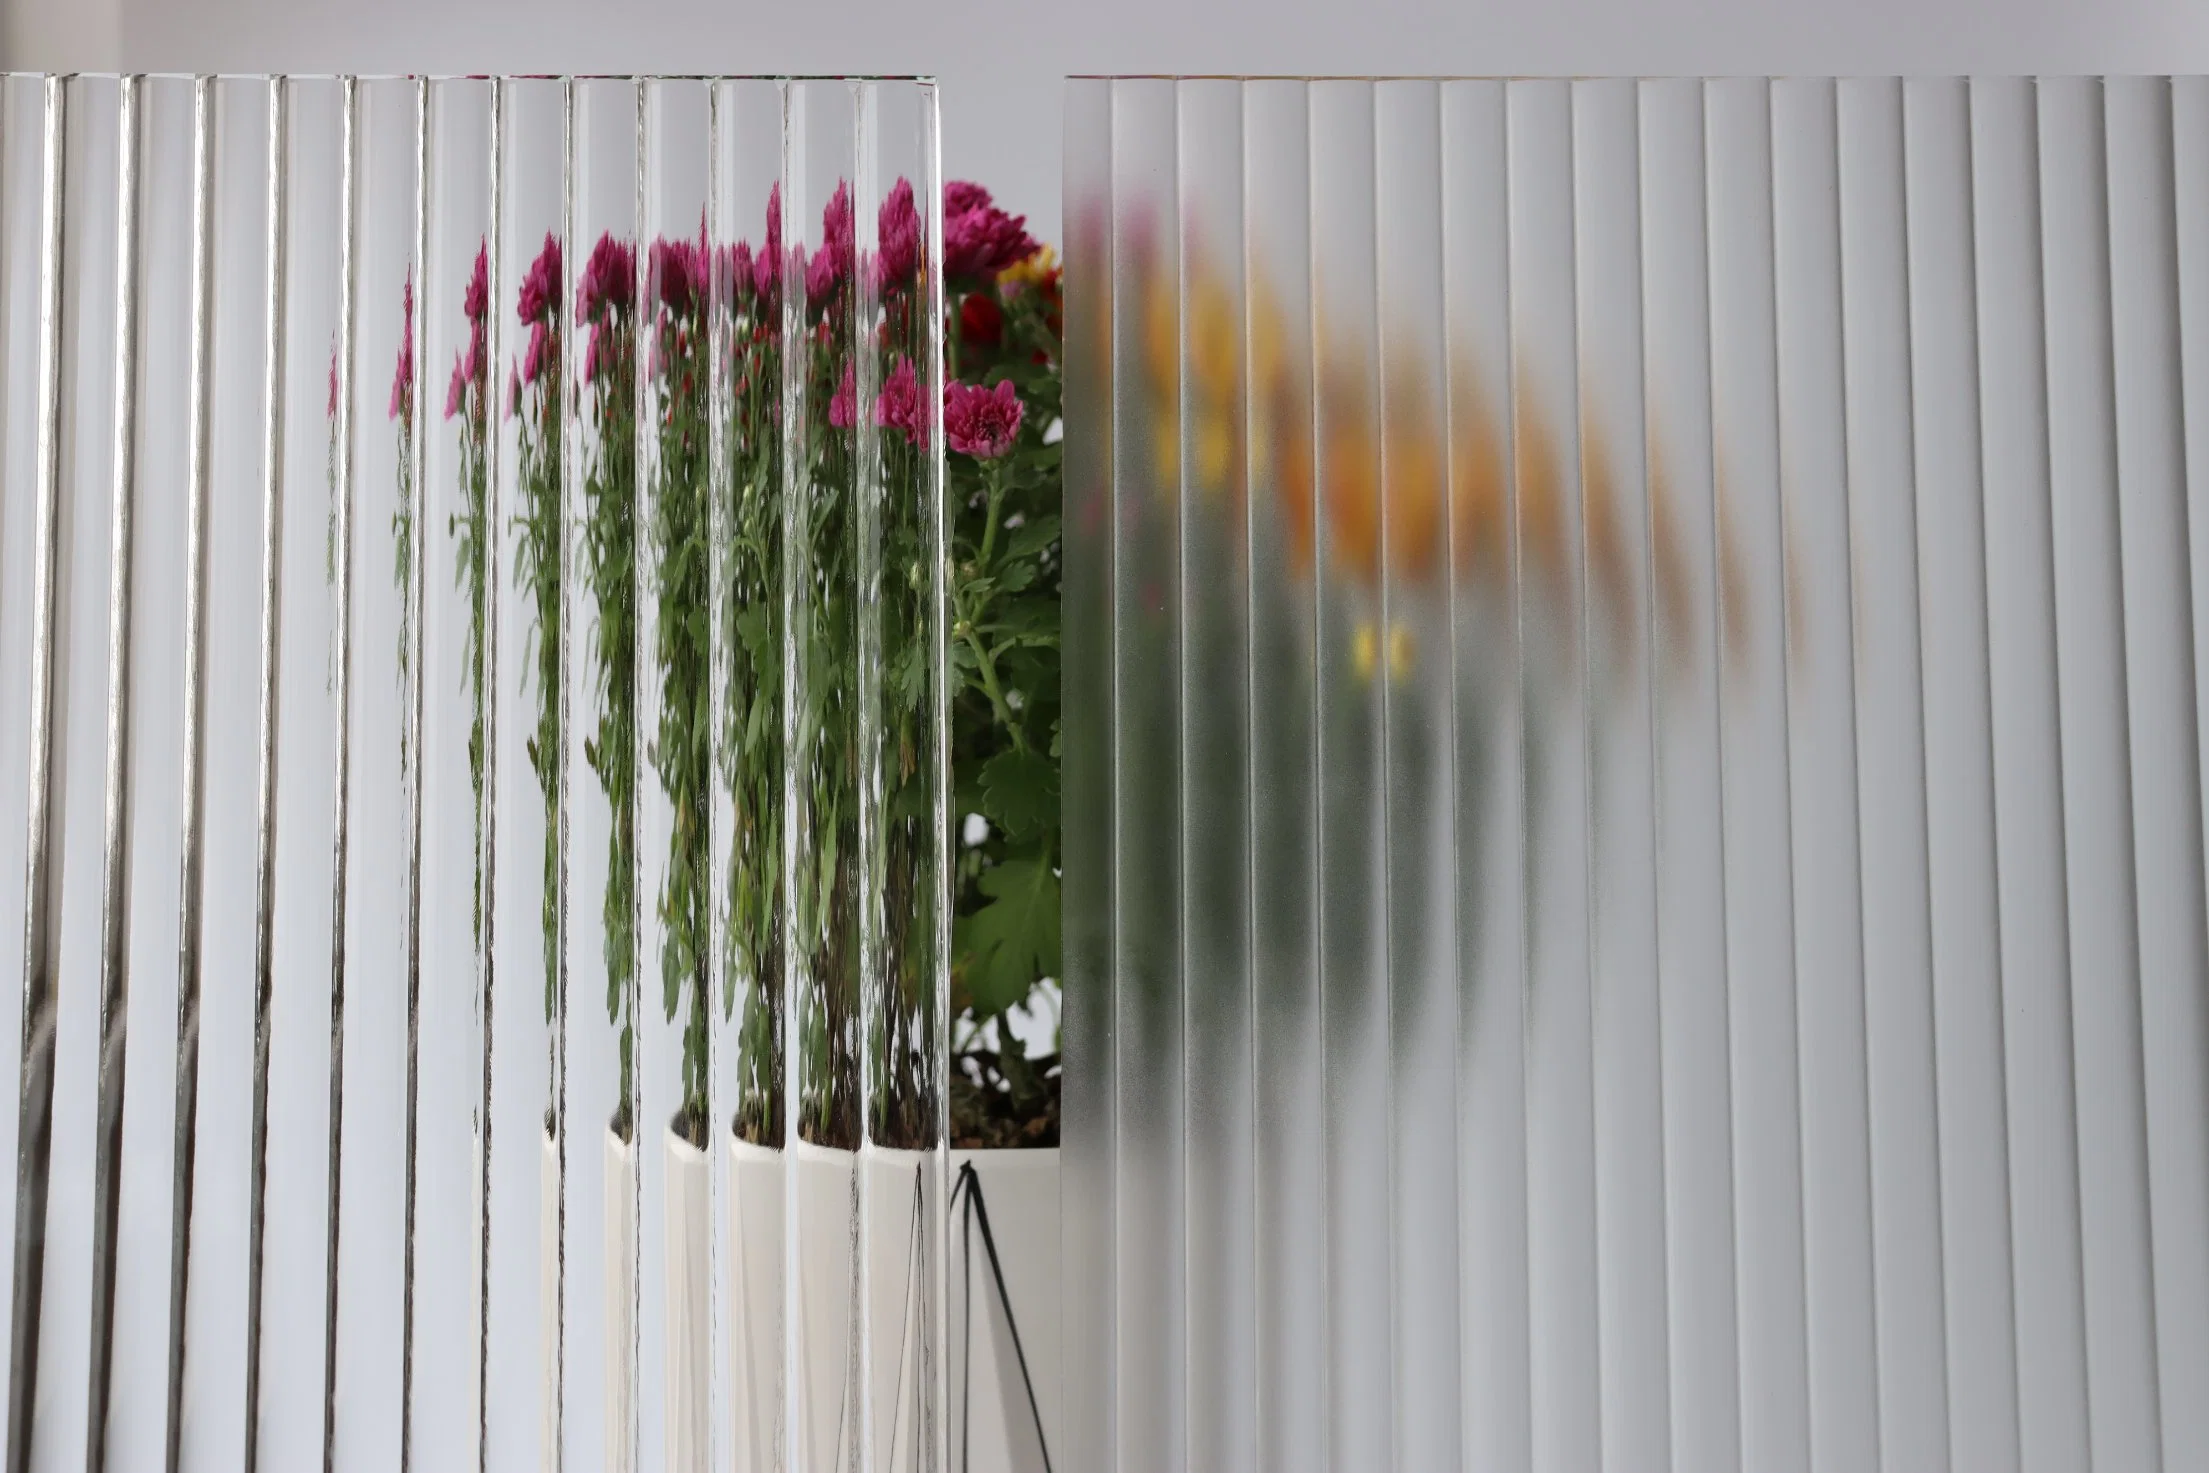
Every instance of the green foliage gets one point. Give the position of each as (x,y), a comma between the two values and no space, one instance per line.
(1006,560)
(752,718)
(610,570)
(471,535)
(538,523)
(682,751)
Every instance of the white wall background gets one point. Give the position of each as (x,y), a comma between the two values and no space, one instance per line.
(1000,63)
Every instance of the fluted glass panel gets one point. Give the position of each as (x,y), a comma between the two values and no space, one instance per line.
(1634,885)
(434,512)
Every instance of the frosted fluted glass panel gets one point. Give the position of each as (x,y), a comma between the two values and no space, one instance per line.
(1705,702)
(362,756)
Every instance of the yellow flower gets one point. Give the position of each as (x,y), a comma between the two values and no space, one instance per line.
(1400,651)
(1365,650)
(1033,272)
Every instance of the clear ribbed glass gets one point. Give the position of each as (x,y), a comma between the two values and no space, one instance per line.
(1634,865)
(513,835)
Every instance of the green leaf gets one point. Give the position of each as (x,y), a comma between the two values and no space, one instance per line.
(1032,537)
(1019,791)
(1014,940)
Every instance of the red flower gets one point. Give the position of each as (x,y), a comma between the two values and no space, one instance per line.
(981,321)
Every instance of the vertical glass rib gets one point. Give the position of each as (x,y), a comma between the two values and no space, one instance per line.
(1966,1001)
(2189,127)
(1281,953)
(1561,1181)
(876,966)
(1822,725)
(564,434)
(1417,681)
(114,893)
(1213,751)
(788,265)
(720,348)
(1353,634)
(1910,1357)
(487,792)
(1626,975)
(1146,1107)
(2023,691)
(35,1132)
(632,1103)
(272,527)
(417,451)
(2089,592)
(1487,687)
(349,196)
(2158,619)
(750,781)
(1691,573)
(1758,615)
(191,846)
(1093,437)
(933,1442)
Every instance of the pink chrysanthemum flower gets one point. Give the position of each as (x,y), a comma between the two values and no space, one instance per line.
(402,377)
(477,301)
(609,280)
(979,239)
(538,357)
(679,275)
(733,265)
(831,264)
(767,265)
(898,226)
(843,405)
(457,389)
(960,196)
(981,422)
(541,285)
(899,407)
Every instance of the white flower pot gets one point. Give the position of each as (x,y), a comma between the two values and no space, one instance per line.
(1021,1191)
(756,1205)
(828,1401)
(621,1309)
(688,1369)
(898,1295)
(548,1298)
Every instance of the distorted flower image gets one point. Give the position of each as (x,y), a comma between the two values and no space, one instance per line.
(832,263)
(609,280)
(710,317)
(899,406)
(843,404)
(898,228)
(981,422)
(541,283)
(767,265)
(402,374)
